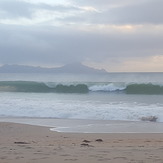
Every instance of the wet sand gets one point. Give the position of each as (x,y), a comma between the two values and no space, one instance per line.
(90,126)
(22,143)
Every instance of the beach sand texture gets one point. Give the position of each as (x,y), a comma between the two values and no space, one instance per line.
(20,143)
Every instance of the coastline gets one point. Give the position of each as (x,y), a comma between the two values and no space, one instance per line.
(89,126)
(22,143)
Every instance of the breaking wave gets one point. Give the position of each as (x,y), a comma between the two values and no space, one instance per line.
(40,87)
(118,87)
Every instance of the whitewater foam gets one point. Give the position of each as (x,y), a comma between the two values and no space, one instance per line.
(108,87)
(80,106)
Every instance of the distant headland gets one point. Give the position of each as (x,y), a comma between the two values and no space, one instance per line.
(74,68)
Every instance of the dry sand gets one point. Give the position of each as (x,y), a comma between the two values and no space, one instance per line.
(21,143)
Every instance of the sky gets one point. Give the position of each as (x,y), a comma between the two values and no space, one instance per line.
(115,35)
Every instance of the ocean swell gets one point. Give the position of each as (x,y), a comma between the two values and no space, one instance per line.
(40,87)
(144,89)
(110,87)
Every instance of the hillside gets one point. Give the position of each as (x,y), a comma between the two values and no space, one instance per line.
(69,68)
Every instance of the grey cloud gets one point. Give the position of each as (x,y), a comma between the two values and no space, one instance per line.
(12,9)
(60,8)
(149,12)
(53,45)
(37,46)
(103,3)
(47,44)
(142,12)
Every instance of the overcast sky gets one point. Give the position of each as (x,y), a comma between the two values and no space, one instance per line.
(117,35)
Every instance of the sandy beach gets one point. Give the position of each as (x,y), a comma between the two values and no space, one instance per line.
(22,143)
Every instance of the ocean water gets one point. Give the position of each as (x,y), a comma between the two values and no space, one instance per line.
(115,96)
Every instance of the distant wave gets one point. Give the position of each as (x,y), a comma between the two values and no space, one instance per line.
(41,87)
(144,89)
(131,88)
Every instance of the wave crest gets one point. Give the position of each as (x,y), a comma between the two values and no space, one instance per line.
(144,89)
(40,87)
(111,87)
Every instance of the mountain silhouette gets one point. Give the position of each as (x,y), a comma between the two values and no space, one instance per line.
(69,68)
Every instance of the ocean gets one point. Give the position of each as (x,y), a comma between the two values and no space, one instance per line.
(112,96)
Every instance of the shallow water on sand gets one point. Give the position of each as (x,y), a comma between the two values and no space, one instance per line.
(90,126)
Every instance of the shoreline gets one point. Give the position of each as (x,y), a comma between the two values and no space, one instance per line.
(24,143)
(89,126)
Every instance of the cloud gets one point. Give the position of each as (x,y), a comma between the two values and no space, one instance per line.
(28,13)
(64,45)
(109,33)
(147,12)
(93,12)
(128,12)
(150,64)
(133,64)
(48,46)
(14,8)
